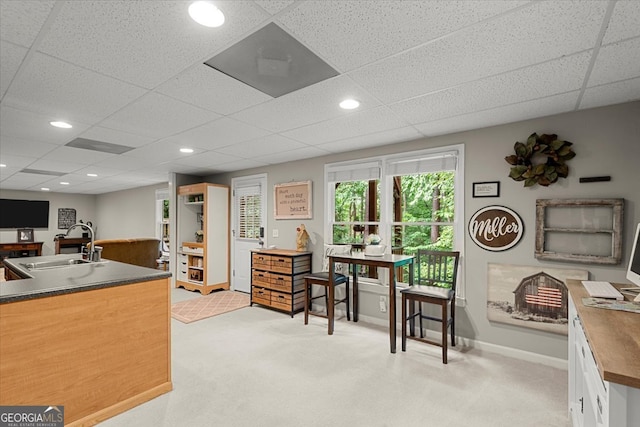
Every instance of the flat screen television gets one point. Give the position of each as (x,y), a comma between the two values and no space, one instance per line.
(16,213)
(633,271)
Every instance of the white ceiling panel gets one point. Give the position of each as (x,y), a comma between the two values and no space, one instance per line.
(220,133)
(23,20)
(212,90)
(256,148)
(294,109)
(131,73)
(495,116)
(54,87)
(619,61)
(155,39)
(12,57)
(550,78)
(360,31)
(600,96)
(157,115)
(487,49)
(625,22)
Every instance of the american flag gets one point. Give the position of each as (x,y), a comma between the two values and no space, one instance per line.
(550,297)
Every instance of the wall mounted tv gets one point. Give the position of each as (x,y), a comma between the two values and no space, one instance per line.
(24,213)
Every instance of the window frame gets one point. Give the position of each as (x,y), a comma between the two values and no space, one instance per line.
(385,164)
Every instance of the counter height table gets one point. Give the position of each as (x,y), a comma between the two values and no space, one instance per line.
(389,261)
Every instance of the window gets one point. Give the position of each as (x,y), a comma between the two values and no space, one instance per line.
(413,201)
(249,211)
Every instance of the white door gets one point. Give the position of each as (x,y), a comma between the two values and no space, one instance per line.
(249,217)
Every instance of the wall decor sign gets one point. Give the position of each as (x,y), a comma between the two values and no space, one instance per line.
(486,189)
(66,218)
(292,200)
(25,235)
(496,228)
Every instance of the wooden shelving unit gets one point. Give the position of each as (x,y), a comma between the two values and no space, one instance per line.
(203,265)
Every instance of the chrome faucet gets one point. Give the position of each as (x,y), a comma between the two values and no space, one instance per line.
(92,248)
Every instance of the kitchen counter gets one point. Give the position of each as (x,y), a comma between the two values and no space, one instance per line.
(94,338)
(75,278)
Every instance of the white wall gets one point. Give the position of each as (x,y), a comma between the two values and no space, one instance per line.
(607,142)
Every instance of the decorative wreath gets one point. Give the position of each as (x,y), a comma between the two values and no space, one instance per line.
(537,147)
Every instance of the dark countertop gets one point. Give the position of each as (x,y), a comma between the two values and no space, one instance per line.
(69,279)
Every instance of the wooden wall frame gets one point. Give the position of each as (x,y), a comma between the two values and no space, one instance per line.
(292,200)
(579,230)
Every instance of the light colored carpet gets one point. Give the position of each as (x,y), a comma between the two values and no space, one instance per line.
(259,367)
(209,305)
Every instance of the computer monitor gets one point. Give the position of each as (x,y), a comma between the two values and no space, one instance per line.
(633,271)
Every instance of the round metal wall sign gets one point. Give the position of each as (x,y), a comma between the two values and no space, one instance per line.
(496,228)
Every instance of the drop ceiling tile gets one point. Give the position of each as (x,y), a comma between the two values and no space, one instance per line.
(549,78)
(212,90)
(24,147)
(55,166)
(614,93)
(58,88)
(257,148)
(349,126)
(12,56)
(506,114)
(489,48)
(158,152)
(295,109)
(616,62)
(113,136)
(274,6)
(392,136)
(208,159)
(624,22)
(23,181)
(219,133)
(144,43)
(14,161)
(350,34)
(293,155)
(22,20)
(240,165)
(35,127)
(124,163)
(101,171)
(76,155)
(156,115)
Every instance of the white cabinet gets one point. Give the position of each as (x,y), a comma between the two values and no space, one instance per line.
(593,401)
(203,263)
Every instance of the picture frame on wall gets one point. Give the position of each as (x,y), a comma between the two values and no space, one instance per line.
(292,200)
(486,189)
(25,235)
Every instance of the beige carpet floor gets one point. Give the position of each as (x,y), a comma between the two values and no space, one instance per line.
(209,305)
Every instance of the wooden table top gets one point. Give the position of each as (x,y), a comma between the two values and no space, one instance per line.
(614,338)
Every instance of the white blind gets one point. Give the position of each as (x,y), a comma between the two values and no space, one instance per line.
(356,172)
(445,161)
(249,208)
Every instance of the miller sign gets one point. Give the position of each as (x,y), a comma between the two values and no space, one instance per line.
(496,228)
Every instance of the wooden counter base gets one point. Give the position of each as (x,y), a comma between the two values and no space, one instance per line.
(97,352)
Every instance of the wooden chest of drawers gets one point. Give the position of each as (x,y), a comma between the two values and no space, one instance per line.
(277,279)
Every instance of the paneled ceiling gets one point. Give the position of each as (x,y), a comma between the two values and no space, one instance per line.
(132,73)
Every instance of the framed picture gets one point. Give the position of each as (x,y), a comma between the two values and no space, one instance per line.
(292,200)
(486,189)
(25,235)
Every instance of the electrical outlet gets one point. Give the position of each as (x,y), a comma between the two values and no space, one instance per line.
(275,232)
(383,304)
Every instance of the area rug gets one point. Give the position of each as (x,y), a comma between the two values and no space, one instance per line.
(209,305)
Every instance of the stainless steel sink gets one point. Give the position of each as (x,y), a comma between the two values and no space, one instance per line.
(54,264)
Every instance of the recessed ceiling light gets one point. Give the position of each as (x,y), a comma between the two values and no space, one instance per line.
(64,183)
(63,125)
(44,189)
(92,174)
(186,150)
(349,104)
(206,13)
(2,165)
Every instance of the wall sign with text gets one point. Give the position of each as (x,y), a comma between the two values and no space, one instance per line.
(292,200)
(496,228)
